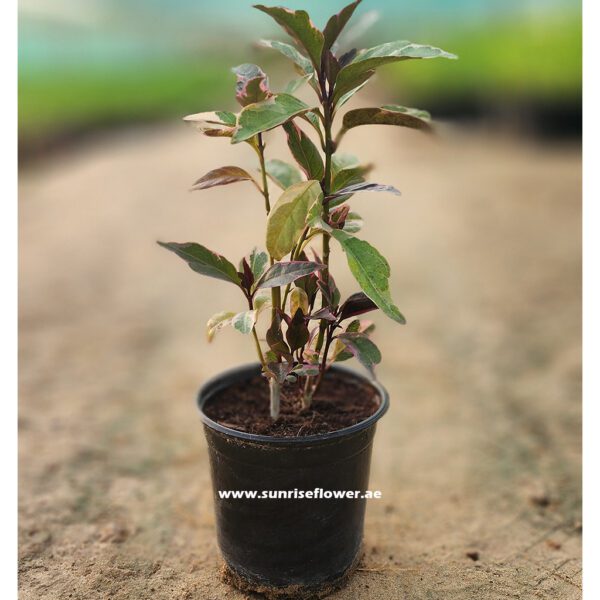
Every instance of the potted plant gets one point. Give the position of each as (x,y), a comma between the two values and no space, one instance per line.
(289,434)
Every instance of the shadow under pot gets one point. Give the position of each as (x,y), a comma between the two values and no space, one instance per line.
(289,547)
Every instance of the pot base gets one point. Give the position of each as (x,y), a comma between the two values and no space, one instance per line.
(289,592)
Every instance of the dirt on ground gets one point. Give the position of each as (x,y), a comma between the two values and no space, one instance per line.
(478,459)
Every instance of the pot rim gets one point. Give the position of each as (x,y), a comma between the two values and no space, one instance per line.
(224,379)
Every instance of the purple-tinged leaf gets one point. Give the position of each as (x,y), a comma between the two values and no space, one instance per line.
(252,84)
(275,339)
(388,115)
(258,263)
(337,217)
(362,348)
(266,115)
(329,290)
(336,24)
(223,176)
(364,187)
(282,273)
(323,314)
(347,58)
(204,261)
(340,353)
(306,370)
(246,275)
(310,355)
(213,124)
(278,371)
(304,151)
(331,67)
(297,333)
(355,305)
(298,25)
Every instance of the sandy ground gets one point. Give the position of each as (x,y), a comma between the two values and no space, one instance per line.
(480,452)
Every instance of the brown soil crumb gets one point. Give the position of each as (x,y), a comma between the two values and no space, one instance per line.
(341,402)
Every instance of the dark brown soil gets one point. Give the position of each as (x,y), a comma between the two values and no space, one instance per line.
(342,401)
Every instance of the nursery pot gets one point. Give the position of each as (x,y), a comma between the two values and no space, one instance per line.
(293,547)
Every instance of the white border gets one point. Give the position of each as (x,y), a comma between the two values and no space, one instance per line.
(591,298)
(8,300)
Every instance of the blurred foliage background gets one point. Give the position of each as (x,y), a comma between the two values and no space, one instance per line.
(85,65)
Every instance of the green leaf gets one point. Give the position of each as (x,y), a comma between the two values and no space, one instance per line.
(218,322)
(345,89)
(282,273)
(282,173)
(298,25)
(265,115)
(298,300)
(213,124)
(223,176)
(388,115)
(362,348)
(354,223)
(287,218)
(258,263)
(340,353)
(290,52)
(353,74)
(204,261)
(371,271)
(314,119)
(347,177)
(336,24)
(304,151)
(245,321)
(344,178)
(261,302)
(306,370)
(296,84)
(252,84)
(342,160)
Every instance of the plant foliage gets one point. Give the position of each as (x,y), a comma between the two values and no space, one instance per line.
(310,327)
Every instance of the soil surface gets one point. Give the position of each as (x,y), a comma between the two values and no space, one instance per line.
(478,458)
(340,402)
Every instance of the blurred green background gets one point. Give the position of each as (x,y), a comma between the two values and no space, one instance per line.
(86,65)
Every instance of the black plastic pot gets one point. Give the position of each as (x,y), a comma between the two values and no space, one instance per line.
(296,547)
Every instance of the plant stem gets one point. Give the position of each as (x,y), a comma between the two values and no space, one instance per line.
(260,149)
(275,396)
(323,361)
(326,186)
(259,351)
(261,356)
(263,171)
(294,256)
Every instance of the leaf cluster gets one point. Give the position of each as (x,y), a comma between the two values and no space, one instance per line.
(310,326)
